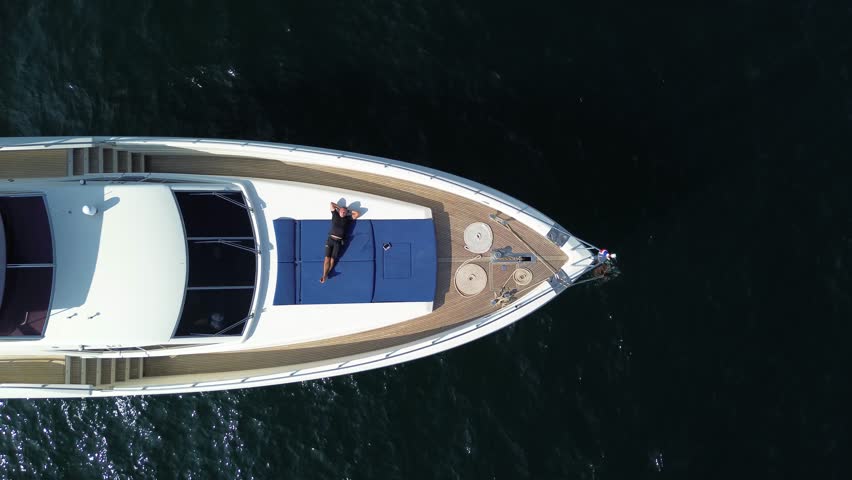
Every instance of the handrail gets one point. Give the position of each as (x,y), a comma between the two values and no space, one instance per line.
(48,142)
(120,351)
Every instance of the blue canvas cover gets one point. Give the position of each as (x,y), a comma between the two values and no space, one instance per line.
(407,271)
(285,288)
(367,271)
(285,239)
(396,261)
(313,234)
(351,282)
(359,245)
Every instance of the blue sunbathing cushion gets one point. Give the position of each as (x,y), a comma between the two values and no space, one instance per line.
(285,287)
(407,270)
(351,282)
(313,234)
(366,272)
(397,261)
(285,239)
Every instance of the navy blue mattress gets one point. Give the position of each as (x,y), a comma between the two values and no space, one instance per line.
(382,261)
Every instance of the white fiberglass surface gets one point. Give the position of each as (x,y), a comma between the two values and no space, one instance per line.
(121,273)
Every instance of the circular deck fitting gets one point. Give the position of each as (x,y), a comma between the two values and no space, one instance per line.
(522,276)
(471,279)
(478,237)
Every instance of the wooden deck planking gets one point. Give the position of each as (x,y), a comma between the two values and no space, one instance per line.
(42,163)
(38,370)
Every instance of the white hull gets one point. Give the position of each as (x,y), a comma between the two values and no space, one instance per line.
(581,259)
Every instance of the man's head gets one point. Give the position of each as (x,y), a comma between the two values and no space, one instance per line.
(342,211)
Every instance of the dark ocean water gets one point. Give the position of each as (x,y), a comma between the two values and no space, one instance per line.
(708,145)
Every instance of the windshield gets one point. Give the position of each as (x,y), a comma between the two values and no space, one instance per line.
(28,277)
(222,258)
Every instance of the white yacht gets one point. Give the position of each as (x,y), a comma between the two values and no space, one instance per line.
(138,265)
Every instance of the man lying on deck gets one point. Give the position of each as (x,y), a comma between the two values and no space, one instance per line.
(340,220)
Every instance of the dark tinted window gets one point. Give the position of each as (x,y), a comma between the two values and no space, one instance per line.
(26,298)
(210,311)
(208,215)
(218,259)
(28,238)
(218,264)
(28,285)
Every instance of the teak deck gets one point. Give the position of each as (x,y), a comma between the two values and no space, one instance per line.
(451,214)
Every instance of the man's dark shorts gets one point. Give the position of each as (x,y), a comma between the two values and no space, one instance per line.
(333,247)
